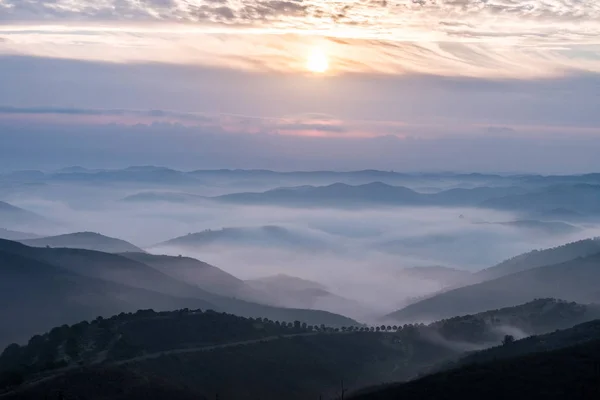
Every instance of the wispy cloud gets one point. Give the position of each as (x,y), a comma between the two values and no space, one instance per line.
(509,38)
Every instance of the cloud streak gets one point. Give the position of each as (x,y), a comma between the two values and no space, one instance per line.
(506,38)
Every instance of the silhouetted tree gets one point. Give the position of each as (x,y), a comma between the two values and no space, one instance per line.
(508,339)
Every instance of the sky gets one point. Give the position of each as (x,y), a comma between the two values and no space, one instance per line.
(462,85)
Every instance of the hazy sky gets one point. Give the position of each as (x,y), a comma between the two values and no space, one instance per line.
(491,85)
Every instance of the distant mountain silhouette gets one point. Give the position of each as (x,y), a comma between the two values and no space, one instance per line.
(340,194)
(84,240)
(169,197)
(581,198)
(573,280)
(268,236)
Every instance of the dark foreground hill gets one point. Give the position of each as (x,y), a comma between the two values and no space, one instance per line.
(209,353)
(84,240)
(571,373)
(205,354)
(560,365)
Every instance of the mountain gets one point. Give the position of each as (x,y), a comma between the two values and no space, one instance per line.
(544,227)
(195,272)
(572,280)
(142,174)
(36,295)
(538,258)
(289,291)
(169,197)
(84,240)
(581,198)
(14,235)
(268,236)
(12,216)
(341,194)
(536,317)
(118,274)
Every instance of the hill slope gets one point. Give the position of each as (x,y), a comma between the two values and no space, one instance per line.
(558,365)
(570,373)
(341,194)
(190,270)
(127,274)
(573,280)
(49,296)
(84,240)
(14,235)
(267,236)
(539,258)
(13,217)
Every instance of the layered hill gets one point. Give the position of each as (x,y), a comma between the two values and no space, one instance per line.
(539,258)
(207,354)
(263,236)
(572,280)
(13,217)
(340,194)
(8,234)
(29,275)
(84,240)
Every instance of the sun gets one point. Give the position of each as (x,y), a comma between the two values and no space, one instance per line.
(317,62)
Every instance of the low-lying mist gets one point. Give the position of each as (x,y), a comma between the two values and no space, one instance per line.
(358,255)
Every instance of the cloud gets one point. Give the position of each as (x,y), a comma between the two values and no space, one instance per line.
(500,129)
(495,38)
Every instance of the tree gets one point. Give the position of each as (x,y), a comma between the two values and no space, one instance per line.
(508,339)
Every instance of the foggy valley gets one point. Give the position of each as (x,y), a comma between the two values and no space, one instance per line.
(436,265)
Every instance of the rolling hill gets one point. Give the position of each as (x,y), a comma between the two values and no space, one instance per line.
(15,235)
(168,197)
(120,274)
(572,280)
(195,272)
(263,236)
(207,354)
(84,240)
(14,217)
(341,194)
(581,198)
(539,258)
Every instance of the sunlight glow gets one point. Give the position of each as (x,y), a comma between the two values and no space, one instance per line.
(317,62)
